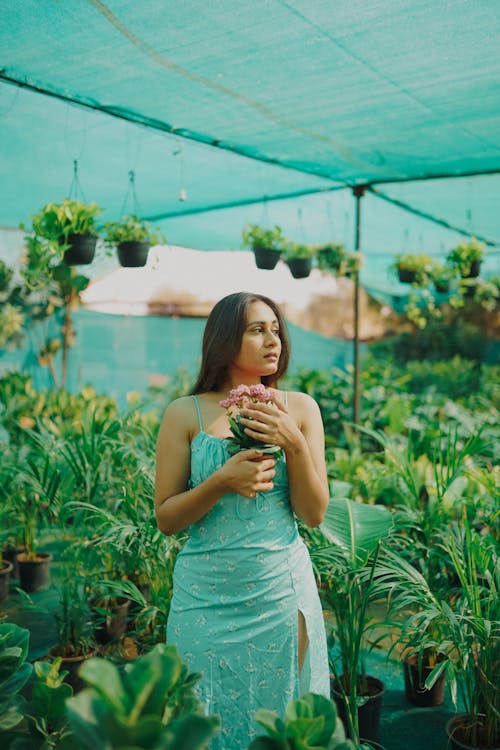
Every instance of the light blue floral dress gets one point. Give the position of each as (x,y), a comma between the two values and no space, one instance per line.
(239,582)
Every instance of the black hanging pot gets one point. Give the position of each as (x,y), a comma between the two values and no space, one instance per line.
(406,276)
(300,268)
(82,249)
(266,258)
(133,253)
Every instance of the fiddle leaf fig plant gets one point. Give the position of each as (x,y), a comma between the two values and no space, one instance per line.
(310,723)
(152,705)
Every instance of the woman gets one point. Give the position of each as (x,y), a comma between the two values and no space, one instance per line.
(245,610)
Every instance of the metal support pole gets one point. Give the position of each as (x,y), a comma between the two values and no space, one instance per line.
(358,192)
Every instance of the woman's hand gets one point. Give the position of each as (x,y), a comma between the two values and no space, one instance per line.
(248,473)
(271,424)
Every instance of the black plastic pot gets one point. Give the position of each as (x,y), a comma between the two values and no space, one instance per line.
(34,575)
(415,689)
(406,276)
(372,744)
(368,712)
(300,268)
(442,286)
(132,253)
(5,571)
(82,249)
(266,258)
(457,735)
(10,554)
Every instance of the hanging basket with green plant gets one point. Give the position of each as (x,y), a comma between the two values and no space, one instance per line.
(442,276)
(413,269)
(299,259)
(267,245)
(70,229)
(331,256)
(132,238)
(466,258)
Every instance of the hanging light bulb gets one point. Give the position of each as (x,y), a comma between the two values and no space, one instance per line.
(183,194)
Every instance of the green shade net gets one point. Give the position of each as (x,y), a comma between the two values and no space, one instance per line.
(268,111)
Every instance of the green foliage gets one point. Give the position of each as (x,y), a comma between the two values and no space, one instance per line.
(57,220)
(439,340)
(131,228)
(255,236)
(297,250)
(463,255)
(420,264)
(15,672)
(330,257)
(152,705)
(310,723)
(344,554)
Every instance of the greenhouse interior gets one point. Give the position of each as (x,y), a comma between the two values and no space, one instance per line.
(325,576)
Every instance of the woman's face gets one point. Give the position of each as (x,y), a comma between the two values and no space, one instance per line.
(260,344)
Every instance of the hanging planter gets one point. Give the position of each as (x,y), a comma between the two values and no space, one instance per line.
(300,268)
(267,245)
(80,249)
(132,238)
(266,258)
(413,269)
(133,253)
(330,257)
(299,259)
(71,225)
(466,258)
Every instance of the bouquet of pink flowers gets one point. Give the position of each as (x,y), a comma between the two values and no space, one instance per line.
(238,398)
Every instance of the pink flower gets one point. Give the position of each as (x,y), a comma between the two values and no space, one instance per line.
(243,393)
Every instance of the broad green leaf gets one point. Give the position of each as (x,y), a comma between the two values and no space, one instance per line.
(356,527)
(105,679)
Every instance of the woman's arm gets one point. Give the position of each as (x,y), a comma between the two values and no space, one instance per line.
(176,507)
(302,439)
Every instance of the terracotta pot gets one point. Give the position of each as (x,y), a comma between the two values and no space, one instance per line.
(266,258)
(415,689)
(458,735)
(34,575)
(368,713)
(5,570)
(132,253)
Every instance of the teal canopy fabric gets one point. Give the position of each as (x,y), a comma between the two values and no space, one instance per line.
(267,111)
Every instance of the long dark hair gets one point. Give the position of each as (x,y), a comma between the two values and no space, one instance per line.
(222,341)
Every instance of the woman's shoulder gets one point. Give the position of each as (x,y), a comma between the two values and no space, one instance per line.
(181,411)
(301,405)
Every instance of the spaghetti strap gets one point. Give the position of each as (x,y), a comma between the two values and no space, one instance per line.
(195,399)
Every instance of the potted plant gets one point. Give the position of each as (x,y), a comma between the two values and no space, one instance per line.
(299,259)
(267,245)
(413,269)
(71,225)
(75,636)
(331,256)
(132,237)
(345,560)
(34,496)
(442,277)
(466,258)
